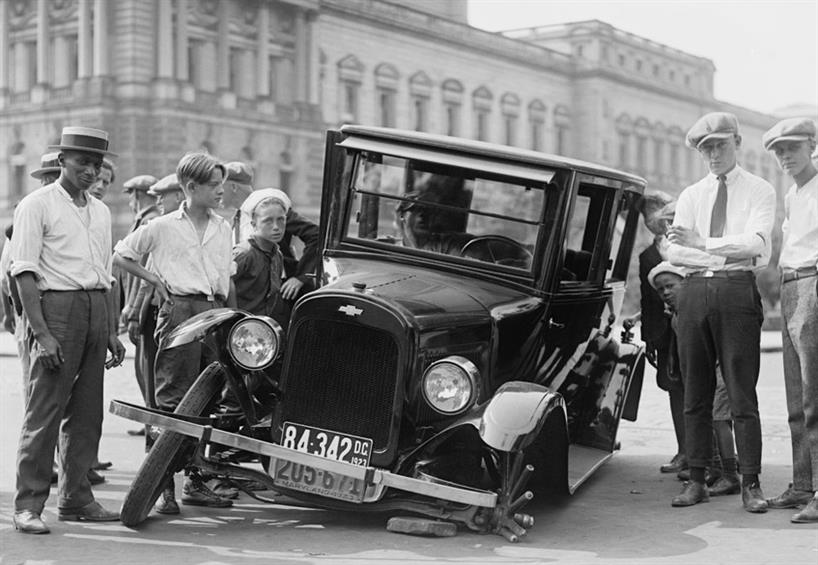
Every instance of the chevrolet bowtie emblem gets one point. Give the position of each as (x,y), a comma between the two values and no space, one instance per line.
(350,310)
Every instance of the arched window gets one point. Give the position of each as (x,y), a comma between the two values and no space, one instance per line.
(536,124)
(562,127)
(420,90)
(452,91)
(386,88)
(350,77)
(510,107)
(481,102)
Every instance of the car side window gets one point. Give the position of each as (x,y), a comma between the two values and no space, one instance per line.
(583,234)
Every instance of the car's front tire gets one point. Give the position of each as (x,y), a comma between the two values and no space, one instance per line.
(166,455)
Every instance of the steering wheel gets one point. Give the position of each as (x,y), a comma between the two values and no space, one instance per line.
(499,250)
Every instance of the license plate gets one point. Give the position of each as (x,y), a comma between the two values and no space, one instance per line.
(318,481)
(324,443)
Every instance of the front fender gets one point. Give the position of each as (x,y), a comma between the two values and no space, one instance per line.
(513,418)
(200,325)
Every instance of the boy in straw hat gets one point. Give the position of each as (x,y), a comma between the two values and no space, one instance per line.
(64,282)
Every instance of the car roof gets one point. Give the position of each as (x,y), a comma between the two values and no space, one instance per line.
(486,150)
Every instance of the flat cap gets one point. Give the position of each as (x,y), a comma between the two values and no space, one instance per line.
(665,267)
(715,125)
(139,182)
(164,185)
(239,172)
(791,129)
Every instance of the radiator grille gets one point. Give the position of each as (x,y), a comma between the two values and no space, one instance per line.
(342,377)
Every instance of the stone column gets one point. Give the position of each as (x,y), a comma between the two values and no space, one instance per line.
(164,47)
(182,63)
(263,51)
(313,43)
(61,63)
(84,53)
(301,56)
(5,48)
(223,49)
(43,45)
(101,46)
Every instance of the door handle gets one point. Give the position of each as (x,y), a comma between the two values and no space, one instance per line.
(552,325)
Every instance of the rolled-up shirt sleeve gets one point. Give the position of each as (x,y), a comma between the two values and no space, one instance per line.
(27,239)
(137,243)
(756,235)
(687,256)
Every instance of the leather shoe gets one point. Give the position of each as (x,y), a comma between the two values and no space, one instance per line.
(691,494)
(223,488)
(91,512)
(753,499)
(727,484)
(101,465)
(809,515)
(28,522)
(790,498)
(95,478)
(196,493)
(167,502)
(678,463)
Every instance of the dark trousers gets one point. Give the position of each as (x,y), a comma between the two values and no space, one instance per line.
(145,355)
(176,369)
(64,404)
(720,320)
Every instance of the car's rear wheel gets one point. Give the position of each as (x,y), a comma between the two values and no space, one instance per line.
(170,449)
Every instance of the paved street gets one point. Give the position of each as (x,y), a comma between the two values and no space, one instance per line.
(623,515)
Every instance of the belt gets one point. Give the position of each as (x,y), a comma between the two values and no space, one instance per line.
(736,275)
(200,297)
(78,290)
(788,275)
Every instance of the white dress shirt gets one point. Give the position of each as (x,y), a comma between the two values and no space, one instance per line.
(66,246)
(800,246)
(745,244)
(185,264)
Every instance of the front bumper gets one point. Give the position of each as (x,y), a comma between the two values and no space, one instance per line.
(369,475)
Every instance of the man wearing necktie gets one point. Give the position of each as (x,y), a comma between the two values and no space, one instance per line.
(721,235)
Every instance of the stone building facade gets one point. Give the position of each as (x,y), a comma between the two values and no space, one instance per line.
(260,81)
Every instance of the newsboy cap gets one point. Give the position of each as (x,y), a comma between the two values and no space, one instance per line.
(715,125)
(791,129)
(49,163)
(239,172)
(164,185)
(665,267)
(89,140)
(140,182)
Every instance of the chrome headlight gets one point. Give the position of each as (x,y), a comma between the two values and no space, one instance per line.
(254,343)
(450,385)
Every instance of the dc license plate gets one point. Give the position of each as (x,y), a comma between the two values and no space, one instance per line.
(324,443)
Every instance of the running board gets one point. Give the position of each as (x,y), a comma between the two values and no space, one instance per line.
(369,475)
(582,462)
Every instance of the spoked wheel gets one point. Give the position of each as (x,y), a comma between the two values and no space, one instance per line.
(168,452)
(506,519)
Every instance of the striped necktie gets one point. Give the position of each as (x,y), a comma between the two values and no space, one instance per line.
(719,215)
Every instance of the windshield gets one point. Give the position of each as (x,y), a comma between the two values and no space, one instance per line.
(445,210)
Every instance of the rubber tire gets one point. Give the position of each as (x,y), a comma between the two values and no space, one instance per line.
(169,447)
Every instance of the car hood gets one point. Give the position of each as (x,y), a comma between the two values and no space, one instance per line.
(427,295)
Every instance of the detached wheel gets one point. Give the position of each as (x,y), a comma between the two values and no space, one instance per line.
(168,452)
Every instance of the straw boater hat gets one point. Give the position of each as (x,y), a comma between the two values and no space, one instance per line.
(49,163)
(89,140)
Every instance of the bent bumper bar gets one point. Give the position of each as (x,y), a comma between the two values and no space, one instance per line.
(369,475)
